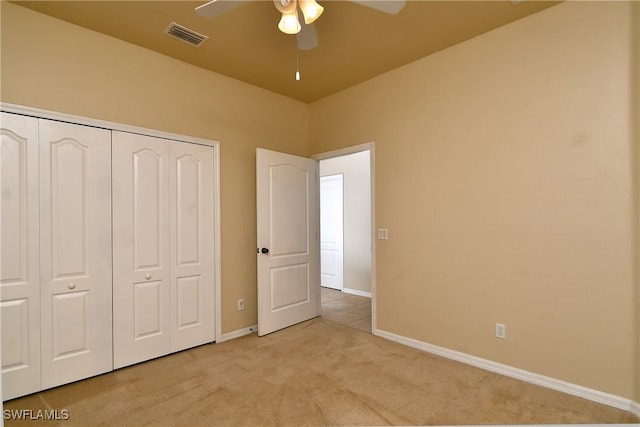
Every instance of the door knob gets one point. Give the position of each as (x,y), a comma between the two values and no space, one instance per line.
(71,286)
(265,250)
(148,276)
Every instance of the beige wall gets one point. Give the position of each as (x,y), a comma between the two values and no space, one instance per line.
(357,216)
(505,173)
(49,64)
(635,112)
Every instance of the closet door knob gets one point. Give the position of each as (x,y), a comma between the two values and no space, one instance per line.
(71,286)
(148,276)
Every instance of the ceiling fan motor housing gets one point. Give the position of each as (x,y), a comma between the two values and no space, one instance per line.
(285,6)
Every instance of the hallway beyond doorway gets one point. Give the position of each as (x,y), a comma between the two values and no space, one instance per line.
(346,309)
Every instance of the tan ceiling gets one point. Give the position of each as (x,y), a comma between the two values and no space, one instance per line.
(356,42)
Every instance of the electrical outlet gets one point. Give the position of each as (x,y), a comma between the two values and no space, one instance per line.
(501,331)
(240,304)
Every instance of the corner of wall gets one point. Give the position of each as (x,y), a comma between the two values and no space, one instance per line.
(635,115)
(309,141)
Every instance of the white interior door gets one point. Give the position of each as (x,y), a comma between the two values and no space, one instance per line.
(75,251)
(288,240)
(192,219)
(141,292)
(19,267)
(331,231)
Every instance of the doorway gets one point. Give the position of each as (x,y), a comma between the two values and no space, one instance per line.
(346,236)
(287,200)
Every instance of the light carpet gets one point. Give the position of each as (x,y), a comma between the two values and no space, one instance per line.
(316,373)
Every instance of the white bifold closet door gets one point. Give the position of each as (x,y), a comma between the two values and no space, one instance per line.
(75,252)
(56,253)
(163,243)
(19,270)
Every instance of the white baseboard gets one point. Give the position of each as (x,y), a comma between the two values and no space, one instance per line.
(509,371)
(356,292)
(237,334)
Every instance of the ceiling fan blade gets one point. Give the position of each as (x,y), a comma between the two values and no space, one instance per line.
(307,37)
(218,7)
(387,6)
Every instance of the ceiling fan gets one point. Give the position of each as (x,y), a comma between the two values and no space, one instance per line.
(289,23)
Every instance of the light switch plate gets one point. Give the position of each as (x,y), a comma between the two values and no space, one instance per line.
(383,234)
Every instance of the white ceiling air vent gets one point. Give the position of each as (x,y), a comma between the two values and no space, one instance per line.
(186,34)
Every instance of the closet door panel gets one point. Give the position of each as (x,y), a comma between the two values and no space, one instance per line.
(19,269)
(141,248)
(192,244)
(75,251)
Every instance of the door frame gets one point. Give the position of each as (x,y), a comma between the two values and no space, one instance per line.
(368,146)
(87,121)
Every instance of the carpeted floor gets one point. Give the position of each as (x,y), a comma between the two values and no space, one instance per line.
(315,373)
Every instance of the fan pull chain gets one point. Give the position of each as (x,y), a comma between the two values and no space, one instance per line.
(297,60)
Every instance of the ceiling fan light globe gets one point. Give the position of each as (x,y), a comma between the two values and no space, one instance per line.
(311,10)
(289,23)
